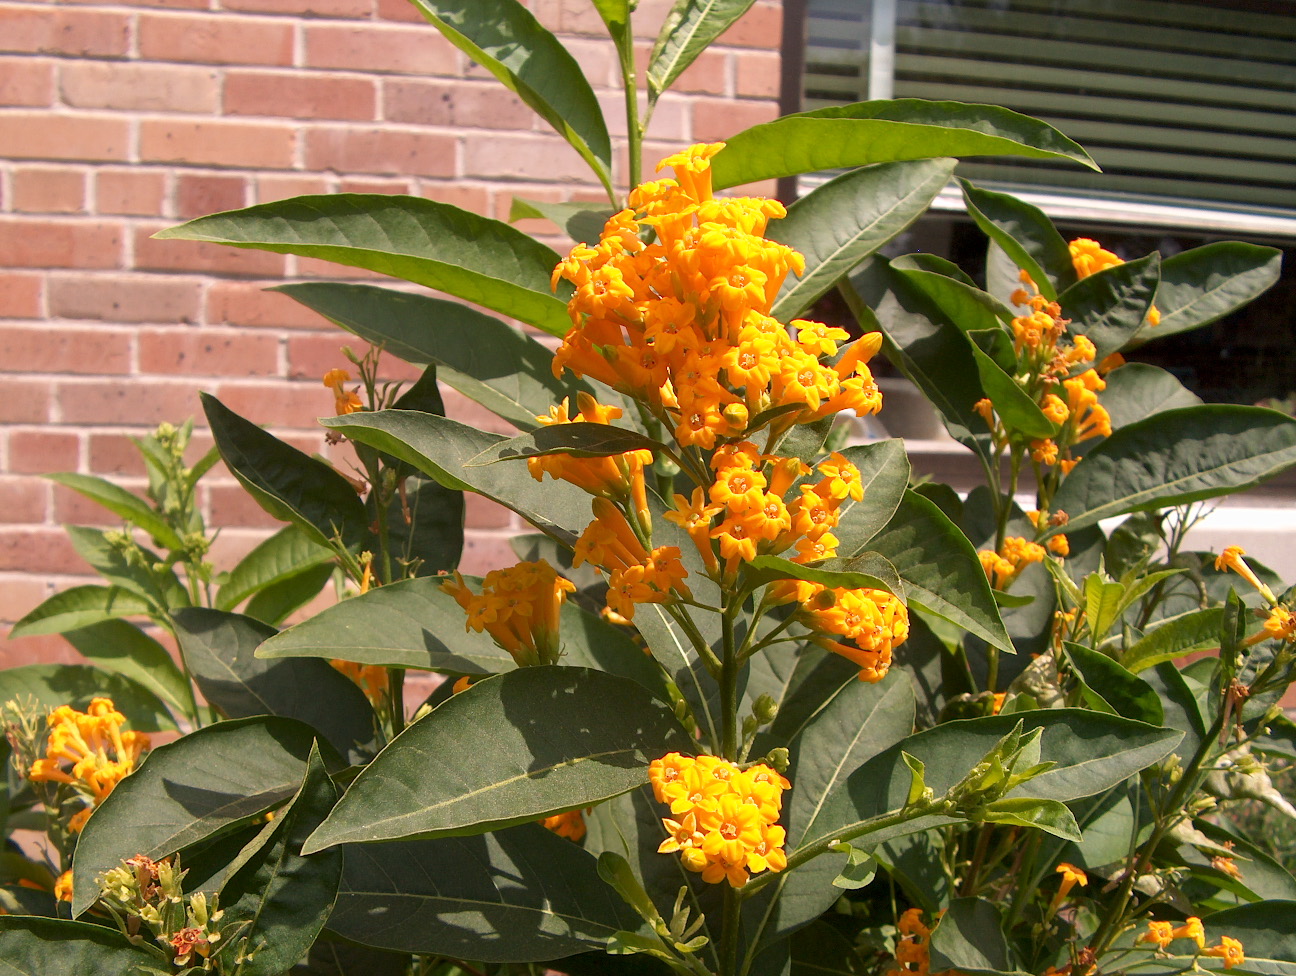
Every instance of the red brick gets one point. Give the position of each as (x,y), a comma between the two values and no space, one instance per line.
(71,508)
(229,505)
(394,50)
(20,295)
(114,454)
(279,187)
(48,189)
(20,595)
(246,303)
(708,75)
(173,255)
(461,103)
(597,61)
(32,243)
(484,552)
(116,298)
(27,81)
(374,186)
(43,450)
(401,10)
(524,157)
(482,513)
(112,403)
(298,405)
(139,87)
(375,150)
(300,96)
(28,400)
(23,500)
(217,143)
(199,194)
(465,196)
(86,138)
(762,27)
(38,549)
(55,30)
(135,192)
(649,17)
(215,39)
(232,545)
(758,74)
(311,356)
(717,119)
(581,17)
(58,348)
(207,352)
(166,4)
(307,8)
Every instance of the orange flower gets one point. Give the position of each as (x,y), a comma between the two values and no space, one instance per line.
(344,401)
(570,824)
(1231,558)
(518,607)
(1071,876)
(1191,929)
(1089,257)
(1161,933)
(1229,949)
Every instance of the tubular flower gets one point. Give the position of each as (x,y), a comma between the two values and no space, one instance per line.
(1087,418)
(1229,949)
(912,948)
(1006,565)
(100,753)
(570,824)
(1071,876)
(1088,257)
(683,323)
(723,818)
(1280,625)
(1160,933)
(344,401)
(864,625)
(63,886)
(1191,929)
(518,607)
(372,678)
(1231,558)
(635,574)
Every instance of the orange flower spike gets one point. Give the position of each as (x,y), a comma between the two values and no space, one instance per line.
(1160,933)
(1191,929)
(1229,949)
(1231,558)
(818,339)
(1071,876)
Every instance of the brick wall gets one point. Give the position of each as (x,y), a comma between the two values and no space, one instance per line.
(120,118)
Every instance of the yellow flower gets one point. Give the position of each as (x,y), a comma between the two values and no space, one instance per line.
(1229,949)
(1004,566)
(518,607)
(63,886)
(372,678)
(1231,558)
(1088,257)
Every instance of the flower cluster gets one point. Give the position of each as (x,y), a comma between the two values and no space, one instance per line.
(1004,566)
(913,947)
(99,752)
(344,400)
(636,574)
(682,324)
(518,607)
(723,818)
(1089,257)
(862,625)
(1281,622)
(1161,934)
(150,892)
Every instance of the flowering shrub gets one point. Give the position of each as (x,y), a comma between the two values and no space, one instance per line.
(754,700)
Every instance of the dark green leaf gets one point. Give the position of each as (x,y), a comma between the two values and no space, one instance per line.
(505,38)
(884,131)
(964,305)
(31,946)
(124,649)
(208,782)
(561,738)
(837,225)
(1111,305)
(53,685)
(1138,390)
(1026,236)
(1015,407)
(940,569)
(288,484)
(80,606)
(1174,637)
(578,440)
(278,600)
(330,956)
(688,29)
(1127,694)
(867,570)
(220,649)
(1177,457)
(969,937)
(1264,929)
(118,500)
(515,895)
(484,261)
(435,533)
(1206,283)
(483,358)
(581,221)
(285,897)
(442,449)
(287,554)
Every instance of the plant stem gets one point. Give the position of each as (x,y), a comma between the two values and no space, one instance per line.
(634,130)
(729,666)
(728,958)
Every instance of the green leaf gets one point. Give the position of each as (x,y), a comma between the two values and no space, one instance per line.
(32,946)
(969,937)
(580,440)
(670,646)
(435,533)
(1177,457)
(442,449)
(1206,283)
(483,358)
(837,225)
(287,554)
(1014,405)
(1026,235)
(118,500)
(1263,927)
(1174,637)
(1139,390)
(1127,694)
(290,485)
(1111,305)
(1051,816)
(884,475)
(581,221)
(287,898)
(561,738)
(76,684)
(80,606)
(858,872)
(516,895)
(965,306)
(505,38)
(940,569)
(160,587)
(124,649)
(483,261)
(884,131)
(220,649)
(278,600)
(688,29)
(867,570)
